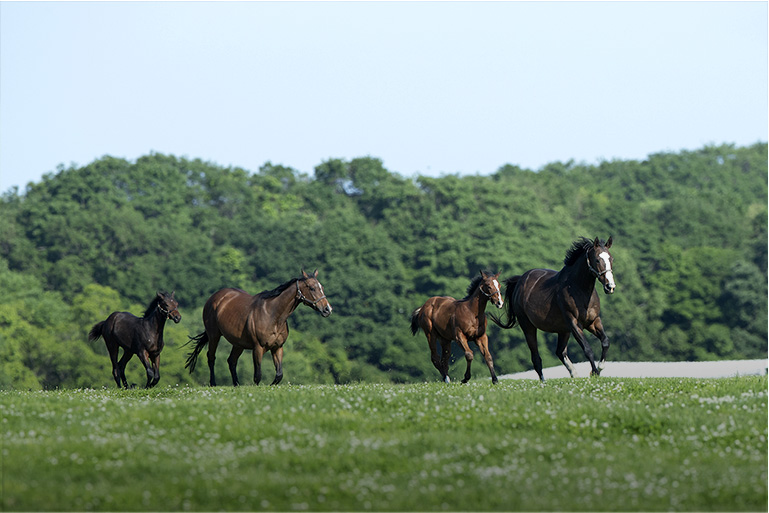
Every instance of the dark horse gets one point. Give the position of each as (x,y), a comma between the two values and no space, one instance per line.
(138,336)
(444,319)
(563,302)
(258,323)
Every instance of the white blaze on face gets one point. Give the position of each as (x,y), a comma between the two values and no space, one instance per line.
(499,291)
(609,274)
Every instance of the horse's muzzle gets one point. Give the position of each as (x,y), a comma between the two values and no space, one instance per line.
(609,289)
(325,312)
(176,318)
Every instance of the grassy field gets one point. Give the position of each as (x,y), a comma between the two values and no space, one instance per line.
(585,444)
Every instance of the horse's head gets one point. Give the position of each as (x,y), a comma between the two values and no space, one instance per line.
(310,292)
(490,288)
(169,306)
(600,261)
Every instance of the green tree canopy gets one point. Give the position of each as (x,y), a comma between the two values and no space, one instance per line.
(690,232)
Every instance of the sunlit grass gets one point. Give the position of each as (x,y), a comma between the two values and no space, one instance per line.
(582,444)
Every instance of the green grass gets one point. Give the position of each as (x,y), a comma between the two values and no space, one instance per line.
(583,444)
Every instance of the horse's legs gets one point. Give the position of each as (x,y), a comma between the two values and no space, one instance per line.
(112,349)
(597,329)
(213,343)
(232,361)
(156,369)
(583,343)
(277,359)
(445,355)
(144,357)
(432,340)
(483,345)
(258,353)
(127,355)
(561,352)
(460,338)
(530,332)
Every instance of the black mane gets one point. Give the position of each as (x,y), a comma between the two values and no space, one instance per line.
(578,248)
(474,285)
(154,303)
(267,294)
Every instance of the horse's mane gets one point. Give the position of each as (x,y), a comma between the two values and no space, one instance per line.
(267,294)
(154,303)
(473,285)
(578,248)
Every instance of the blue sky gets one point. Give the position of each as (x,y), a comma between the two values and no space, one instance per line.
(430,88)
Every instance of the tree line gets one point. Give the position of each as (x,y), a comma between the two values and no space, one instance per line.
(690,250)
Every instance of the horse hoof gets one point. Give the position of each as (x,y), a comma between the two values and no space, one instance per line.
(447,380)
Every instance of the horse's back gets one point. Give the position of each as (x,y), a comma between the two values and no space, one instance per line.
(535,300)
(437,313)
(119,319)
(536,281)
(119,328)
(229,312)
(439,306)
(228,299)
(227,294)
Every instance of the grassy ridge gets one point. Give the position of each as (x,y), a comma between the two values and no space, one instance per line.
(582,444)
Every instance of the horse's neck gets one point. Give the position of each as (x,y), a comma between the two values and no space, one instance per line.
(477,302)
(156,320)
(580,274)
(283,305)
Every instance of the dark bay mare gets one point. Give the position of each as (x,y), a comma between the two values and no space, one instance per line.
(142,337)
(444,319)
(563,302)
(257,323)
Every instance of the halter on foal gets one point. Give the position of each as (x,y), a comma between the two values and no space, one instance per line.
(258,323)
(444,319)
(138,336)
(563,302)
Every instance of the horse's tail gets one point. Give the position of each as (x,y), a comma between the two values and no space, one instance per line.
(96,331)
(415,321)
(192,358)
(510,285)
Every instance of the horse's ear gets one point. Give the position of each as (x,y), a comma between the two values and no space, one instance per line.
(304,274)
(315,274)
(608,243)
(596,242)
(172,294)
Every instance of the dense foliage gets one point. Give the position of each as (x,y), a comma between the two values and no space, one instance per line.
(690,249)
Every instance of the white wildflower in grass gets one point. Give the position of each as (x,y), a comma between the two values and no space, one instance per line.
(651,444)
